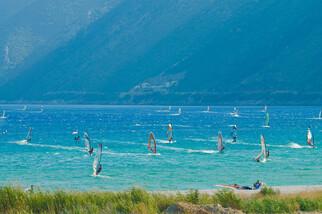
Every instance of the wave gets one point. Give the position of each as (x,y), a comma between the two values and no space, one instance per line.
(154,154)
(162,111)
(239,142)
(314,118)
(297,146)
(202,151)
(124,153)
(165,141)
(183,126)
(25,143)
(291,145)
(102,176)
(200,139)
(172,148)
(21,142)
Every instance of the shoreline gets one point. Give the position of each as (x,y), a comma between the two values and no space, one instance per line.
(284,190)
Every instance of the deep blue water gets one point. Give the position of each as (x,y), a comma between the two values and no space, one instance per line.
(53,160)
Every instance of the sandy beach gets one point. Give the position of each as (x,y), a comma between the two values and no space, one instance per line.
(281,189)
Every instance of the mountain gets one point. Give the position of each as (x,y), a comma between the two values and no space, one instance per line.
(30,29)
(184,52)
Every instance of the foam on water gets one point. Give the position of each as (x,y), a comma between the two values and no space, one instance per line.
(53,160)
(202,151)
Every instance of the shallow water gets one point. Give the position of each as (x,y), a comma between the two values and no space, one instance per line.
(53,160)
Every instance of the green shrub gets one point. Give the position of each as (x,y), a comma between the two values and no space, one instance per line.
(15,200)
(193,197)
(268,191)
(228,199)
(308,204)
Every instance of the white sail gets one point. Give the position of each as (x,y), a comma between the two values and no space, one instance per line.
(220,145)
(208,109)
(310,138)
(87,142)
(320,115)
(266,119)
(3,115)
(97,167)
(179,111)
(170,133)
(264,151)
(235,112)
(265,108)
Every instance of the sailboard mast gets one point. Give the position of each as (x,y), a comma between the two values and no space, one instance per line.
(29,135)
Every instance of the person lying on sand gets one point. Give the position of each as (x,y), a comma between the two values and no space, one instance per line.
(257,185)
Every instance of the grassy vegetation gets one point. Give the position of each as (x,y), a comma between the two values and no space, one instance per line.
(15,200)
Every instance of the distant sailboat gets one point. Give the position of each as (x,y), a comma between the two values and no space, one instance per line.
(234,134)
(310,138)
(29,136)
(220,145)
(179,111)
(24,108)
(267,124)
(170,133)
(88,145)
(235,112)
(97,166)
(3,116)
(320,115)
(264,154)
(76,135)
(264,109)
(150,148)
(169,109)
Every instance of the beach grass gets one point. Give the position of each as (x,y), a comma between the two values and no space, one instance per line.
(137,200)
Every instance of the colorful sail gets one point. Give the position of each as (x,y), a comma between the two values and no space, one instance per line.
(154,147)
(309,137)
(97,166)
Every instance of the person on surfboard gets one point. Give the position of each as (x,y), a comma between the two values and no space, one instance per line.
(170,133)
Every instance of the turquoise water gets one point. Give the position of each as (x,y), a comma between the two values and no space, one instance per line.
(53,160)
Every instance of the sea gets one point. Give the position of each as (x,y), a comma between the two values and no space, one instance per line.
(53,160)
